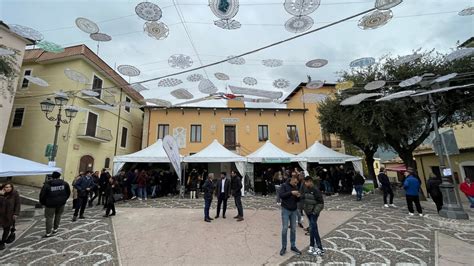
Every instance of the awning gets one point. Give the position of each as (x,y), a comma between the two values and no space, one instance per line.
(214,153)
(16,166)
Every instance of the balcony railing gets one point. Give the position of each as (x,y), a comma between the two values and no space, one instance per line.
(335,144)
(100,134)
(105,97)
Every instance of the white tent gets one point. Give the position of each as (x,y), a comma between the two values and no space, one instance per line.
(214,153)
(151,154)
(15,166)
(270,153)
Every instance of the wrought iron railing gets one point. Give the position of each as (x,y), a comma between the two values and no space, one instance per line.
(99,133)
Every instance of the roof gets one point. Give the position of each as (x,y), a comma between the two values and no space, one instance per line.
(318,153)
(41,56)
(5,26)
(299,87)
(270,153)
(468,43)
(214,153)
(154,153)
(155,107)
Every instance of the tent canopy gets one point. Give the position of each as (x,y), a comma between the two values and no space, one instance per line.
(318,153)
(270,153)
(151,154)
(15,166)
(214,153)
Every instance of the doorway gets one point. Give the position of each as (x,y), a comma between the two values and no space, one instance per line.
(229,137)
(91,124)
(86,163)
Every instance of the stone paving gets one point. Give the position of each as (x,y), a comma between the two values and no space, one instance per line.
(375,236)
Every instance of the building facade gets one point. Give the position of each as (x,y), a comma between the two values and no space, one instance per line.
(239,128)
(15,43)
(106,125)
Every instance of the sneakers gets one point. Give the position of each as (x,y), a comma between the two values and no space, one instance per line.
(48,235)
(134,197)
(393,205)
(311,250)
(74,218)
(55,231)
(282,251)
(385,205)
(411,214)
(139,198)
(420,214)
(296,251)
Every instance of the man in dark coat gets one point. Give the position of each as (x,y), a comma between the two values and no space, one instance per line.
(53,196)
(386,187)
(84,185)
(223,193)
(208,189)
(313,203)
(358,184)
(236,188)
(102,185)
(290,196)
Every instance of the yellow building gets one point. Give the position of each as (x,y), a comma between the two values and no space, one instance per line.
(96,134)
(14,43)
(240,128)
(463,163)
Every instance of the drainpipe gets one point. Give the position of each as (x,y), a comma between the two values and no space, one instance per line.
(118,122)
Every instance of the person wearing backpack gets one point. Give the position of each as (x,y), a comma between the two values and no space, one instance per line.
(53,196)
(313,203)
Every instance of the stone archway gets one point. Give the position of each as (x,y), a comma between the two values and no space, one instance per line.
(86,163)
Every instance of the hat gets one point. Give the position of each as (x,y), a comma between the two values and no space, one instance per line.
(307,178)
(56,175)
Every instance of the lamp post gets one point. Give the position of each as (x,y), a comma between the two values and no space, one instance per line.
(47,106)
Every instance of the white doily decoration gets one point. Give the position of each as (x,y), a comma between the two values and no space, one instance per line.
(180,61)
(299,24)
(221,76)
(207,87)
(236,60)
(76,76)
(386,4)
(316,84)
(148,11)
(159,102)
(100,37)
(90,93)
(157,30)
(407,59)
(256,92)
(228,24)
(410,82)
(363,62)
(356,99)
(445,78)
(281,83)
(375,19)
(224,12)
(139,87)
(272,62)
(26,32)
(317,63)
(396,95)
(128,70)
(313,97)
(467,12)
(195,77)
(460,53)
(87,25)
(4,51)
(169,82)
(301,7)
(374,85)
(37,81)
(182,94)
(250,81)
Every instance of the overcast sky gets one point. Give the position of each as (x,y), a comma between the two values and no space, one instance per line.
(425,24)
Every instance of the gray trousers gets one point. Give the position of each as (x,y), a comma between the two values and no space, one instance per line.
(53,214)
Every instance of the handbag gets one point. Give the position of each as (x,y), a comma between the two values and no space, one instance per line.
(12,236)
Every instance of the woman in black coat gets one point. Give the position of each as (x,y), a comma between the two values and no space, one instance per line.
(9,210)
(111,189)
(434,191)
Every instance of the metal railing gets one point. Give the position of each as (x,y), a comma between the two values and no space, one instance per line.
(101,134)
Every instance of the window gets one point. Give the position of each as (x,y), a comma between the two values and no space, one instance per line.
(127,104)
(107,163)
(195,133)
(123,141)
(163,130)
(18,117)
(262,132)
(97,85)
(25,82)
(292,133)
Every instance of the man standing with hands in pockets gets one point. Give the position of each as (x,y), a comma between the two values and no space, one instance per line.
(290,196)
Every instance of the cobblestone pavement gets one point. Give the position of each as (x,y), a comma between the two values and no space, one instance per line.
(375,236)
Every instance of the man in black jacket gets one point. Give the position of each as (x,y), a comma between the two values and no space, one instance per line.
(53,196)
(236,187)
(223,193)
(208,189)
(102,185)
(290,196)
(386,187)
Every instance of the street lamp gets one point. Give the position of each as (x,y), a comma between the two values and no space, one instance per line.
(47,106)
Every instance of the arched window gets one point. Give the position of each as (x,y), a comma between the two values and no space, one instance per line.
(107,163)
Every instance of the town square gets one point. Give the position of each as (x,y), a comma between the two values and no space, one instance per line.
(232,132)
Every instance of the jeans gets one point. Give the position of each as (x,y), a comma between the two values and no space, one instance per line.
(142,192)
(153,191)
(110,206)
(358,189)
(238,205)
(277,190)
(134,190)
(327,187)
(313,231)
(6,233)
(471,200)
(221,199)
(53,214)
(416,200)
(80,206)
(207,206)
(288,216)
(386,192)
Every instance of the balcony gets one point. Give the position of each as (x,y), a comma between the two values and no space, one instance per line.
(94,133)
(104,97)
(333,144)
